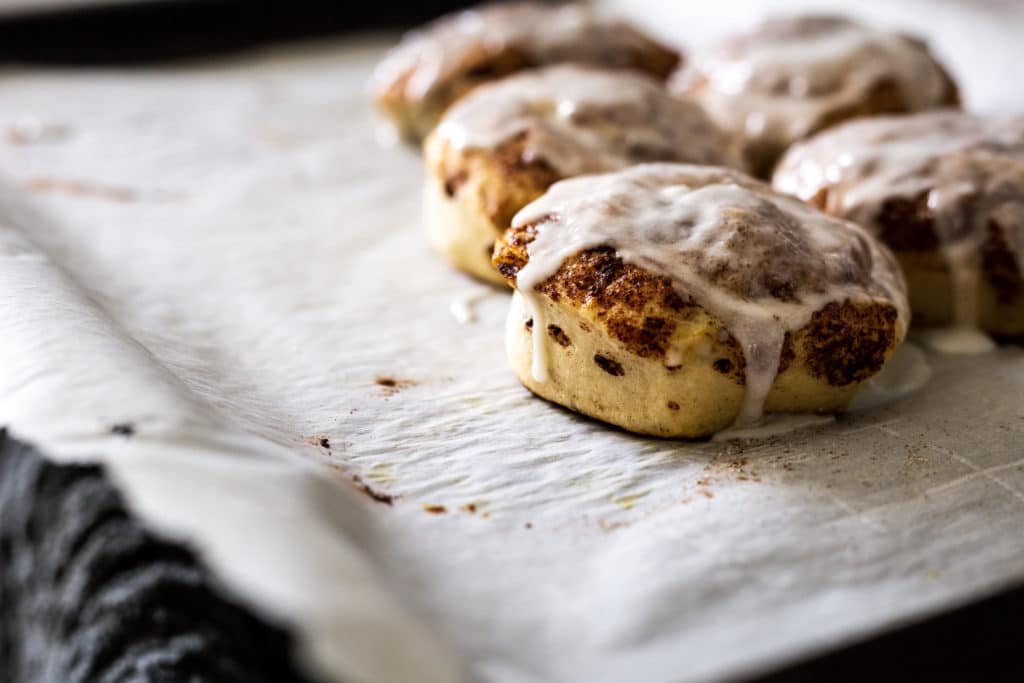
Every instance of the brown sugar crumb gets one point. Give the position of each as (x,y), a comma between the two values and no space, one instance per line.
(113,193)
(560,337)
(672,405)
(318,440)
(723,365)
(393,385)
(82,189)
(706,493)
(611,526)
(123,429)
(738,464)
(364,488)
(469,507)
(610,366)
(32,131)
(435,509)
(454,181)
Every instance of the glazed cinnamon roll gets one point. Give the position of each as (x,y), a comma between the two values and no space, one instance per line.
(678,300)
(502,145)
(434,66)
(791,77)
(945,191)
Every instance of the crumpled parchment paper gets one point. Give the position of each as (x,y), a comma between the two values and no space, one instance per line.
(222,256)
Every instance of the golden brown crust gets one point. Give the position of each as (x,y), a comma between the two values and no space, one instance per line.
(848,342)
(638,310)
(844,343)
(501,181)
(415,119)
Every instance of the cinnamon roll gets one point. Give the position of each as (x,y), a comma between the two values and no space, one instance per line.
(502,145)
(434,66)
(791,77)
(945,191)
(677,300)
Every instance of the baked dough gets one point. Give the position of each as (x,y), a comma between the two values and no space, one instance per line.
(677,300)
(945,191)
(434,66)
(502,145)
(791,77)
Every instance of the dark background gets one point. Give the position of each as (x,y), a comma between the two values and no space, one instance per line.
(981,641)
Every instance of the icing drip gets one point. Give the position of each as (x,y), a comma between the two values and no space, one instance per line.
(760,262)
(762,348)
(539,360)
(970,169)
(584,120)
(463,308)
(782,80)
(541,34)
(965,275)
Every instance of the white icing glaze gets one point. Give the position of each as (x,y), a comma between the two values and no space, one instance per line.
(585,120)
(782,80)
(543,34)
(957,339)
(463,307)
(946,156)
(761,262)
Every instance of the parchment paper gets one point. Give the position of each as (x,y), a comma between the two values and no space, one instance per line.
(221,255)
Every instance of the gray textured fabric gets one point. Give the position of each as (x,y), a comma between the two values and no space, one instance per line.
(86,594)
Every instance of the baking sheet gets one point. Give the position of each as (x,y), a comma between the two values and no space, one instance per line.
(221,255)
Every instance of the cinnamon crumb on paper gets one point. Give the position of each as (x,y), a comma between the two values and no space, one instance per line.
(123,429)
(392,385)
(365,488)
(85,188)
